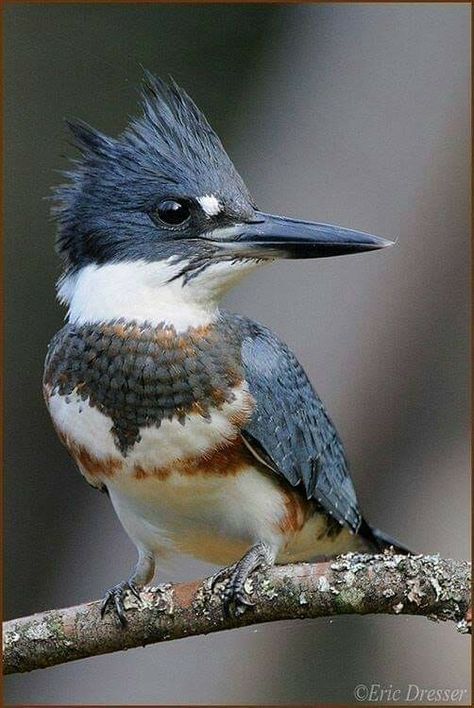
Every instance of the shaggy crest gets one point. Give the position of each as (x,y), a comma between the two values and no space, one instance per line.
(170,150)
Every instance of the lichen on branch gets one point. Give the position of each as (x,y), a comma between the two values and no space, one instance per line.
(350,584)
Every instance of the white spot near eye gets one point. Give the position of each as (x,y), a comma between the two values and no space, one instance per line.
(210,204)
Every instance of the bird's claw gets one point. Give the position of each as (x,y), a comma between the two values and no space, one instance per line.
(235,599)
(221,576)
(114,600)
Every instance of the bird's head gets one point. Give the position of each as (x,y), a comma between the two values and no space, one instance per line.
(159,216)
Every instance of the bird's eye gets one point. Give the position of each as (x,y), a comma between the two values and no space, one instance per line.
(172,212)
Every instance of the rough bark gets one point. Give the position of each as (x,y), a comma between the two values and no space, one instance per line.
(352,584)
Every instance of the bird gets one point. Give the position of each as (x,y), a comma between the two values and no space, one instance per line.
(200,424)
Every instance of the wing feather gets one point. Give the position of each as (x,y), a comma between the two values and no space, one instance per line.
(290,430)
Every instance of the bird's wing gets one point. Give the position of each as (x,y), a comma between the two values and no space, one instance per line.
(290,430)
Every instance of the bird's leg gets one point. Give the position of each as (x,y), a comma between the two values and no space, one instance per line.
(236,575)
(114,598)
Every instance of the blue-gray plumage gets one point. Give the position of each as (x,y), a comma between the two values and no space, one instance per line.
(201,425)
(291,426)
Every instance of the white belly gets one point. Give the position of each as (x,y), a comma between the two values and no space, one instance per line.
(214,517)
(219,519)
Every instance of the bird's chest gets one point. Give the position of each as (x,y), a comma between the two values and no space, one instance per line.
(142,401)
(155,417)
(180,482)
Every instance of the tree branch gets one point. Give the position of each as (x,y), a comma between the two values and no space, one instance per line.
(351,584)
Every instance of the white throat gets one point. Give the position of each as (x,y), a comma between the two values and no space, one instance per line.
(142,291)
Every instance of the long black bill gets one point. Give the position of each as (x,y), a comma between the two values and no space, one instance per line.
(278,237)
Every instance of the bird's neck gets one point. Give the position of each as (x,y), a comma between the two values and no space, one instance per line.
(145,292)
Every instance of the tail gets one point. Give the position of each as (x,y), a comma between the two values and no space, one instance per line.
(380,541)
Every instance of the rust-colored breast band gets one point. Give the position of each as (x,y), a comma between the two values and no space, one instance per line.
(94,467)
(222,462)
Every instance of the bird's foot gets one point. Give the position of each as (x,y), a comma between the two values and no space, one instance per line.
(235,594)
(114,599)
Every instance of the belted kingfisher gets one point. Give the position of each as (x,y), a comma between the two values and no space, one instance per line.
(200,424)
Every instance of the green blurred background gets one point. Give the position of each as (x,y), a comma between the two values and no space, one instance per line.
(352,114)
